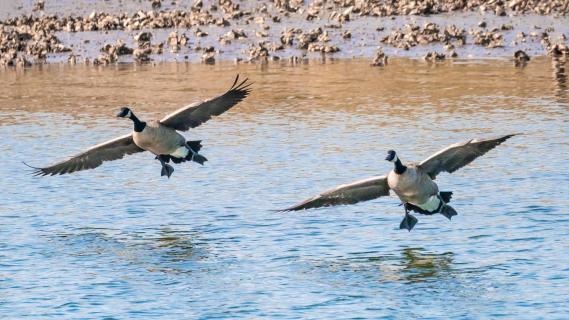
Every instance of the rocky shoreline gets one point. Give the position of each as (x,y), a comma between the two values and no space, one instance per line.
(291,31)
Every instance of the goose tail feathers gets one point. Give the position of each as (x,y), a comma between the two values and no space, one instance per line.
(446,196)
(193,155)
(448,211)
(196,157)
(194,145)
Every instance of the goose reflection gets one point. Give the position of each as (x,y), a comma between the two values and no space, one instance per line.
(412,265)
(175,246)
(418,265)
(165,250)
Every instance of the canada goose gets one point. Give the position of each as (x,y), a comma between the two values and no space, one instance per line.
(159,137)
(412,183)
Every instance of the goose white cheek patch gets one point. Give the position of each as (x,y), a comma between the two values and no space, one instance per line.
(129,114)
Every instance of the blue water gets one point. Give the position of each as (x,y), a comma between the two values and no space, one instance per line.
(122,242)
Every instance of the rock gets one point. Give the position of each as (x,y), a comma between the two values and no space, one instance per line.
(38,5)
(341,16)
(105,59)
(324,37)
(208,56)
(232,35)
(261,34)
(156,4)
(176,41)
(434,56)
(558,50)
(197,6)
(119,48)
(291,6)
(259,53)
(200,33)
(72,59)
(142,55)
(142,38)
(482,24)
(380,59)
(346,34)
(488,39)
(317,47)
(305,39)
(288,35)
(236,34)
(521,58)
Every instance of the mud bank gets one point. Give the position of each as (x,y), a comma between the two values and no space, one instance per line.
(293,31)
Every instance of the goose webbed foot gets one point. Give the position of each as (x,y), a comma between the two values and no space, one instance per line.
(408,221)
(167,170)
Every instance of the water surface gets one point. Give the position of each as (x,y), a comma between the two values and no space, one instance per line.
(122,242)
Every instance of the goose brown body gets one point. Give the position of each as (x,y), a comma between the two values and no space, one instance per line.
(158,139)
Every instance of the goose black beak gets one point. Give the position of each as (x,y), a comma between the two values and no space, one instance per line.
(390,155)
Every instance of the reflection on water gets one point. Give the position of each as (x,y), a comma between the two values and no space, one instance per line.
(168,251)
(419,266)
(560,75)
(413,265)
(121,242)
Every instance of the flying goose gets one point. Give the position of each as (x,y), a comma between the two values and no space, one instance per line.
(159,137)
(412,183)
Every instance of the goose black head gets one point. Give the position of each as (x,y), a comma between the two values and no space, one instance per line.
(124,113)
(391,156)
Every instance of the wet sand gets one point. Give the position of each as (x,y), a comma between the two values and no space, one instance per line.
(135,31)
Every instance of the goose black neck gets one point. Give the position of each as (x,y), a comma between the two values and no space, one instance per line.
(138,125)
(399,167)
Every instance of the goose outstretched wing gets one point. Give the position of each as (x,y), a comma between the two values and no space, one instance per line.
(93,157)
(195,114)
(361,190)
(459,155)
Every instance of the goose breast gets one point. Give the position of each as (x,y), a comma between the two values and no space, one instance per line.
(158,138)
